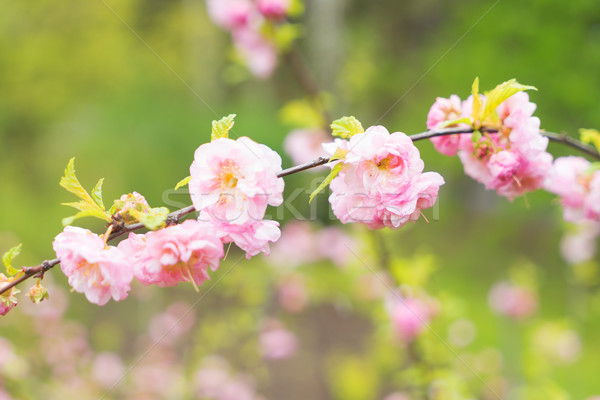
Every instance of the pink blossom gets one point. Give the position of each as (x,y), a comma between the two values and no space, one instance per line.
(297,245)
(253,236)
(578,186)
(409,315)
(258,53)
(444,110)
(292,294)
(273,9)
(107,369)
(169,326)
(277,342)
(514,301)
(305,145)
(333,244)
(235,180)
(8,300)
(230,14)
(97,270)
(381,182)
(174,254)
(580,246)
(129,202)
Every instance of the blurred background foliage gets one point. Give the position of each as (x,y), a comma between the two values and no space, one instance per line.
(130,88)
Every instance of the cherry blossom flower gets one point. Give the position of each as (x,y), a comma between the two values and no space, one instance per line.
(305,145)
(259,53)
(579,246)
(174,254)
(273,9)
(235,180)
(578,186)
(409,314)
(381,182)
(276,342)
(253,236)
(514,301)
(444,110)
(8,300)
(97,270)
(230,14)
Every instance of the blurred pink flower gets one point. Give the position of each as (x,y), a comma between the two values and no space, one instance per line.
(580,246)
(305,145)
(297,245)
(409,315)
(230,14)
(235,180)
(259,53)
(381,182)
(292,293)
(278,343)
(397,396)
(215,381)
(273,9)
(514,301)
(8,300)
(578,186)
(333,243)
(107,369)
(97,270)
(174,254)
(169,326)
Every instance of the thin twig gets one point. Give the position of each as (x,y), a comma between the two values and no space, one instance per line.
(119,229)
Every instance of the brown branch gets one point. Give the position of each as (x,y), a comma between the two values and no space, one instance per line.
(120,229)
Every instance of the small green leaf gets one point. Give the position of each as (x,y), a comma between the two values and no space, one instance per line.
(92,212)
(91,206)
(476,100)
(183,182)
(221,128)
(476,136)
(334,172)
(9,256)
(500,93)
(346,127)
(71,183)
(97,194)
(590,136)
(286,34)
(453,122)
(296,8)
(155,217)
(339,154)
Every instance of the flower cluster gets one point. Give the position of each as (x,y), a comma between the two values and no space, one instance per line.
(510,156)
(231,184)
(8,300)
(249,23)
(381,182)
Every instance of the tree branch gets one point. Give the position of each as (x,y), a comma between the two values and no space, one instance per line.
(120,229)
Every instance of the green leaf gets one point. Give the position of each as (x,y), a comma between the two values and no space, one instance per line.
(502,92)
(590,136)
(296,8)
(476,136)
(89,206)
(221,128)
(476,100)
(9,256)
(334,172)
(97,194)
(92,212)
(183,182)
(71,183)
(155,217)
(339,154)
(302,113)
(346,127)
(463,120)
